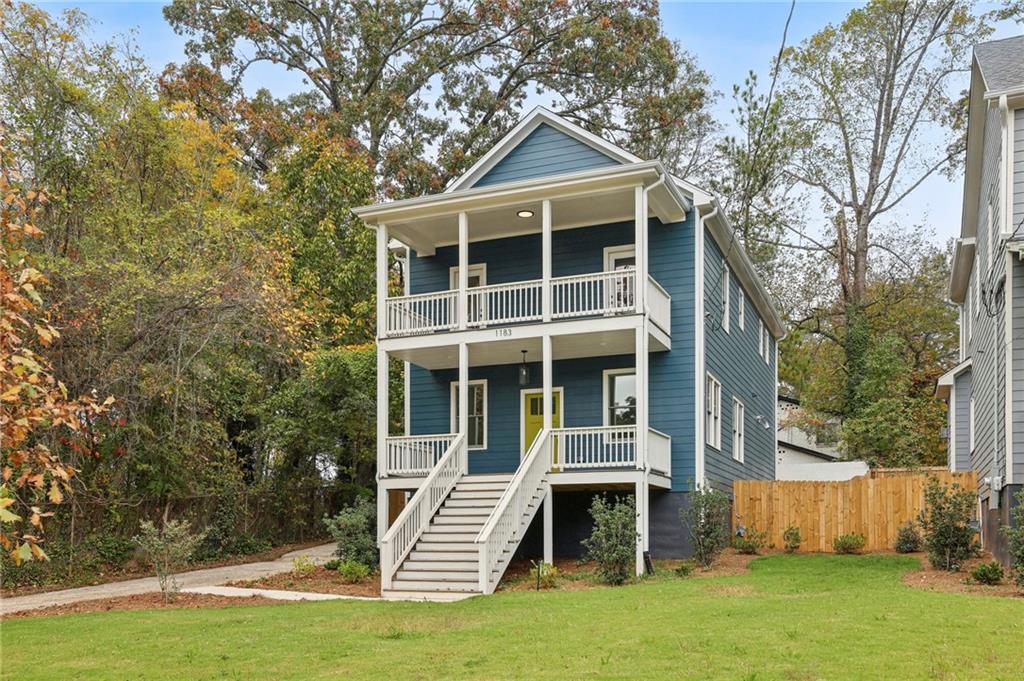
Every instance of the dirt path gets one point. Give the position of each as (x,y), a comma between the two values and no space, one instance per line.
(195,578)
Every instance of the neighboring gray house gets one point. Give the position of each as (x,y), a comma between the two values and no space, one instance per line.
(985,391)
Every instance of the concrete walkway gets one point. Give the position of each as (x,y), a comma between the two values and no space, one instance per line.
(274,594)
(186,580)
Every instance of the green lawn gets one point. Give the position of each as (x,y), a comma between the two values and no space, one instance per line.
(791,617)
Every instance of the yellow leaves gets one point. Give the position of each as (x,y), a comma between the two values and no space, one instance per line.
(6,515)
(55,495)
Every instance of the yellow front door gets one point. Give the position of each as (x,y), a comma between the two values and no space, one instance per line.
(533,410)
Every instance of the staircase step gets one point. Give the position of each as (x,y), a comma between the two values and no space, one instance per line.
(434,585)
(448,536)
(464,511)
(448,576)
(455,524)
(428,565)
(444,551)
(440,597)
(473,499)
(491,477)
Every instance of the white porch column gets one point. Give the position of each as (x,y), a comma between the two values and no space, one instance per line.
(642,459)
(546,259)
(641,524)
(640,246)
(464,389)
(406,366)
(549,527)
(382,438)
(463,269)
(547,381)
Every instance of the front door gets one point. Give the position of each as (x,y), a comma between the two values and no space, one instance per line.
(533,414)
(621,292)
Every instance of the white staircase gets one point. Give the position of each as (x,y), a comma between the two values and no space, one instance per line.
(444,563)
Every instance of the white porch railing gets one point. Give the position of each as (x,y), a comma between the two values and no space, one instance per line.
(659,451)
(422,313)
(581,295)
(412,455)
(659,305)
(520,301)
(513,513)
(595,447)
(416,515)
(599,293)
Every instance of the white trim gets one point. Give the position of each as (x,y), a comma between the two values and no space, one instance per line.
(1008,367)
(474,268)
(775,420)
(611,252)
(454,416)
(528,124)
(713,439)
(559,390)
(951,438)
(724,295)
(604,391)
(739,429)
(971,438)
(698,362)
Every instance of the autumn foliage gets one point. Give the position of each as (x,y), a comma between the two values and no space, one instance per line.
(34,406)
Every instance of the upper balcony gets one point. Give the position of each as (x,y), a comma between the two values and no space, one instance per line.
(628,196)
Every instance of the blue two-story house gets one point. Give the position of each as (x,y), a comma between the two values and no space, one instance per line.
(575,321)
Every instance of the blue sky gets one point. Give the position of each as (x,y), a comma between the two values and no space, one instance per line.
(728,39)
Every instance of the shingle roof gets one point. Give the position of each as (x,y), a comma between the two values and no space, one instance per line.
(1002,63)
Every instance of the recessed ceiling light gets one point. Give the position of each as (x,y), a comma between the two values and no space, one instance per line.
(525,213)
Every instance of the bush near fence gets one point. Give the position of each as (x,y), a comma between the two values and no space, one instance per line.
(873,505)
(90,538)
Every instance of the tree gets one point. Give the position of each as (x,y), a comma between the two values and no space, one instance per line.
(38,418)
(872,96)
(413,81)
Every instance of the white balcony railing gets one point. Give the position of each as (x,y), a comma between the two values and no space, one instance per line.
(414,455)
(594,447)
(659,305)
(579,295)
(417,514)
(659,451)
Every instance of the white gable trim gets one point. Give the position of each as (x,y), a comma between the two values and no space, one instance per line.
(527,125)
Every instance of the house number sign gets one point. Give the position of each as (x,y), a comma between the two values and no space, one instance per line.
(503,333)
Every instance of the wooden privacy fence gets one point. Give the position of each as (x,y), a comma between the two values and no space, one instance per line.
(873,505)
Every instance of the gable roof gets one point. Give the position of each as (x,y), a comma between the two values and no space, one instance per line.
(1001,63)
(530,123)
(545,151)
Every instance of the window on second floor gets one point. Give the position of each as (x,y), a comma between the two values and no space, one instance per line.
(724,300)
(713,412)
(764,347)
(741,308)
(620,397)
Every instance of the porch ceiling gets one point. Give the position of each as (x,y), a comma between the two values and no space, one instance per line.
(574,346)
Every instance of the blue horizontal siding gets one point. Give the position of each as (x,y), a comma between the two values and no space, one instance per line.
(545,151)
(734,360)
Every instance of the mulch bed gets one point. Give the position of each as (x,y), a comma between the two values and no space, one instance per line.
(138,572)
(319,580)
(930,579)
(576,576)
(149,601)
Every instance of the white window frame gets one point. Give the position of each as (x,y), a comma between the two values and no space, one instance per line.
(455,415)
(739,429)
(712,411)
(764,346)
(725,297)
(975,306)
(612,252)
(606,395)
(741,308)
(453,275)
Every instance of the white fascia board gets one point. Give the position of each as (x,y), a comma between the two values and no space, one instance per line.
(723,234)
(482,198)
(528,124)
(976,117)
(960,272)
(947,379)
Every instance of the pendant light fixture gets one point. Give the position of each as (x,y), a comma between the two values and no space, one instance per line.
(524,372)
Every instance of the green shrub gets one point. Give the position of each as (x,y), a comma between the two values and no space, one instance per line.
(791,537)
(946,525)
(849,543)
(110,549)
(1014,533)
(352,572)
(751,542)
(354,530)
(545,575)
(302,565)
(686,568)
(612,543)
(707,521)
(168,550)
(989,574)
(908,539)
(333,564)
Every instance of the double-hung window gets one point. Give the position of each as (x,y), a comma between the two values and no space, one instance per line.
(739,429)
(476,435)
(620,397)
(741,308)
(725,298)
(713,412)
(765,343)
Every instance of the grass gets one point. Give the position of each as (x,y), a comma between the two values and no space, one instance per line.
(791,617)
